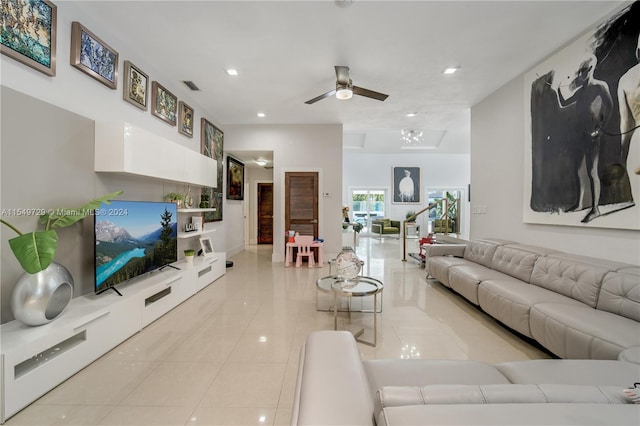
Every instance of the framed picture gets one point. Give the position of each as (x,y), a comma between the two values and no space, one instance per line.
(164,104)
(186,119)
(207,247)
(406,185)
(136,86)
(579,159)
(212,145)
(35,45)
(93,56)
(210,140)
(235,179)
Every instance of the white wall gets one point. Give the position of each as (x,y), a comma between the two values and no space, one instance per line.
(74,91)
(436,171)
(296,148)
(497,162)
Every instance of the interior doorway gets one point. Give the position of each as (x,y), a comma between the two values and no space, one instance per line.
(265,213)
(301,202)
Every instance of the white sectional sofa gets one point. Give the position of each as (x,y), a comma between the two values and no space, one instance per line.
(335,387)
(574,306)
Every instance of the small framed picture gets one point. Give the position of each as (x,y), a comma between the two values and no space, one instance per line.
(185,119)
(235,179)
(207,247)
(93,56)
(164,104)
(136,86)
(29,33)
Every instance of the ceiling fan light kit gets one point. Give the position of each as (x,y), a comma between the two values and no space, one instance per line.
(344,91)
(345,88)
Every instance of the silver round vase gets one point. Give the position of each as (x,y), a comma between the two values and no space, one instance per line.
(40,298)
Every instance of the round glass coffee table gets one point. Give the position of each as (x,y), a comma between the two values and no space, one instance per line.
(359,286)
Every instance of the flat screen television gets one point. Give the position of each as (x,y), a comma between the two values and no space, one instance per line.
(133,238)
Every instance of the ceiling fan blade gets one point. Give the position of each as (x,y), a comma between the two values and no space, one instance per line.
(369,93)
(342,75)
(319,98)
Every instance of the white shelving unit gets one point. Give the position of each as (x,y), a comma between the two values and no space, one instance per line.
(123,148)
(183,234)
(34,360)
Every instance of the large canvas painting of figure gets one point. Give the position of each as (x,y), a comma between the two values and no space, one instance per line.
(582,143)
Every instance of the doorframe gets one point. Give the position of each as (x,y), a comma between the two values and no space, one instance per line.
(254,213)
(246,205)
(278,223)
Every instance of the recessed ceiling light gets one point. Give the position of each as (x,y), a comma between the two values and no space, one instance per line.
(450,70)
(232,71)
(411,114)
(261,162)
(262,115)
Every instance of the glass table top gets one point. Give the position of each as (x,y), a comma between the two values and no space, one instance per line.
(358,286)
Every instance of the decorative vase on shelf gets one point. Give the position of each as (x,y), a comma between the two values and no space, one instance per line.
(188,198)
(41,297)
(348,266)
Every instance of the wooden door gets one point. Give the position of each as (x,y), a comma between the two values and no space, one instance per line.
(301,202)
(265,213)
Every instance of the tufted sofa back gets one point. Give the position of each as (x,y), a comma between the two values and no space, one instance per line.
(580,281)
(517,260)
(620,294)
(480,251)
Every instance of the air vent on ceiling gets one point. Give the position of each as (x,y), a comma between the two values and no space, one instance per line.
(191,85)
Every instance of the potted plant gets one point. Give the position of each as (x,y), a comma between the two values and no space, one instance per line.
(45,289)
(409,215)
(189,254)
(35,250)
(175,197)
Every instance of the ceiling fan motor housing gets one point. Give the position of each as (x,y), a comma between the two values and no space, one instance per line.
(344,91)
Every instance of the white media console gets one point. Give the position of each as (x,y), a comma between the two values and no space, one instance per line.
(34,360)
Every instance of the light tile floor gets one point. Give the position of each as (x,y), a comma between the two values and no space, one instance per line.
(229,355)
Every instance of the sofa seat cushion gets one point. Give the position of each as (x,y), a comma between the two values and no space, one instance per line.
(510,300)
(438,267)
(465,279)
(571,331)
(511,414)
(571,372)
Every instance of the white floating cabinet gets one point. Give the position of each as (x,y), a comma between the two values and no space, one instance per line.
(123,148)
(34,360)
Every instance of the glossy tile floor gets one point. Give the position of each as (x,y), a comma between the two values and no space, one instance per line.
(229,355)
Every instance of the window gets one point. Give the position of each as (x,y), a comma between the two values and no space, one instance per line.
(367,205)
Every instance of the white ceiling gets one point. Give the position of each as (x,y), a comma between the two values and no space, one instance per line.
(285,53)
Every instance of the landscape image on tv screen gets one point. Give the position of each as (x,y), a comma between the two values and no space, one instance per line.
(133,238)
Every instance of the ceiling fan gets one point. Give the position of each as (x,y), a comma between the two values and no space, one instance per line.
(345,88)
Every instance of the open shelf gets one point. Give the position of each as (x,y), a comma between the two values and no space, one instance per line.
(197,210)
(194,233)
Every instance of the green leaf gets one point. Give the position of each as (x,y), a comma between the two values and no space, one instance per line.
(35,250)
(62,218)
